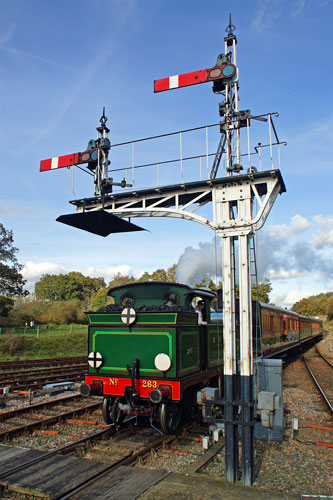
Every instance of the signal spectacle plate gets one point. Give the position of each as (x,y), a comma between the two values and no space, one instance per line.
(229,70)
(99,222)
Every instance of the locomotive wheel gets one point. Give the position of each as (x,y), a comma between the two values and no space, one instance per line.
(111,412)
(170,417)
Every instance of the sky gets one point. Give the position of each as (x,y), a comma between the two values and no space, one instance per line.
(61,62)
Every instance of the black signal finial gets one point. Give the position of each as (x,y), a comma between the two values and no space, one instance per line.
(103,129)
(229,29)
(103,119)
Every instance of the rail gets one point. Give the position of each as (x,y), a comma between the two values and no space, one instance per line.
(129,459)
(66,448)
(318,385)
(324,358)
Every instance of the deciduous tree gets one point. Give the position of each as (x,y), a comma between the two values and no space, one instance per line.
(71,286)
(261,291)
(160,275)
(11,279)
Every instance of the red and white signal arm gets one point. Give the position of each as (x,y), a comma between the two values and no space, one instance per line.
(68,160)
(224,72)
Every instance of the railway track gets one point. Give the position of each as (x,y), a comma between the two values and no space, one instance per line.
(37,382)
(30,376)
(320,369)
(63,473)
(45,362)
(324,357)
(78,478)
(37,417)
(14,376)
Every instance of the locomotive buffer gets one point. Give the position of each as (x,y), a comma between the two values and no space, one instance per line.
(241,202)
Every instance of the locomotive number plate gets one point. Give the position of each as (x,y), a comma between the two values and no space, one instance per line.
(113,381)
(151,384)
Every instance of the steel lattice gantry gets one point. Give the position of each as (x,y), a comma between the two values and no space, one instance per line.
(229,196)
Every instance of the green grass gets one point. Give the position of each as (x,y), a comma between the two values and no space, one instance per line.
(48,345)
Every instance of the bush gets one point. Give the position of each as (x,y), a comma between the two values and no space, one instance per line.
(45,312)
(64,312)
(12,345)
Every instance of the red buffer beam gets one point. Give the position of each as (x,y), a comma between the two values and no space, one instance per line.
(68,160)
(224,72)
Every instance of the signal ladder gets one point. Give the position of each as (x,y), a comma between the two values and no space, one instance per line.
(257,338)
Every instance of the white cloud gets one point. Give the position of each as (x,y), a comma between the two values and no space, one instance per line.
(283,274)
(32,272)
(289,298)
(297,225)
(323,221)
(322,239)
(107,273)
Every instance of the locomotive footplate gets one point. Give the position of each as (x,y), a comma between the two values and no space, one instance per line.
(116,386)
(170,389)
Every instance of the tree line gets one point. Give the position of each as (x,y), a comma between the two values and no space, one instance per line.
(64,298)
(316,305)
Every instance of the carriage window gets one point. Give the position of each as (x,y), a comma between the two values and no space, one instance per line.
(127,300)
(171,299)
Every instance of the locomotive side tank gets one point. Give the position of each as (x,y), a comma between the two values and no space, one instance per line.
(148,354)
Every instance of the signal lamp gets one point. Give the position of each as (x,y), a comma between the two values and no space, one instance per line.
(88,156)
(229,70)
(224,71)
(215,73)
(162,362)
